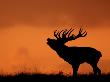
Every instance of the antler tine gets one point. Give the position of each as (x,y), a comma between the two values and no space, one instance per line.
(67,32)
(60,33)
(80,30)
(70,31)
(64,33)
(84,34)
(56,34)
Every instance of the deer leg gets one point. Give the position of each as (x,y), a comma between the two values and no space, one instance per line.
(75,70)
(96,70)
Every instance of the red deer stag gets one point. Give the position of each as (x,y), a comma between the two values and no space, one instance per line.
(74,55)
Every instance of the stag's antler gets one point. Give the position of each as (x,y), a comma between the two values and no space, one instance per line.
(66,34)
(81,34)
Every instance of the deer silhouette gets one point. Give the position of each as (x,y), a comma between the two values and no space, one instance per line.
(74,55)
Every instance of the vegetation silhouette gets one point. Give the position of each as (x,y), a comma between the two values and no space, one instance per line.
(54,77)
(74,55)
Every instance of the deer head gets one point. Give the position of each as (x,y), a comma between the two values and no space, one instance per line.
(64,36)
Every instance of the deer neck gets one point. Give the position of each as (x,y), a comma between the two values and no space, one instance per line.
(61,51)
(61,48)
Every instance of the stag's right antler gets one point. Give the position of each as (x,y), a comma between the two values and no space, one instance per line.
(66,34)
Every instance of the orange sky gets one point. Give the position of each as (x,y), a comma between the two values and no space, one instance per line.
(26,24)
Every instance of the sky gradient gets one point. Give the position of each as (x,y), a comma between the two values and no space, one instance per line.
(26,24)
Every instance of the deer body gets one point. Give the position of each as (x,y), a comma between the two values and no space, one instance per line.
(75,55)
(78,54)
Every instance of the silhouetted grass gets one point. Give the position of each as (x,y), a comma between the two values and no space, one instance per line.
(52,77)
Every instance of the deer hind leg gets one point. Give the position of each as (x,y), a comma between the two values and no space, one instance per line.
(96,70)
(99,71)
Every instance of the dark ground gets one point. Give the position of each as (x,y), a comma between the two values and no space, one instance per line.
(58,77)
